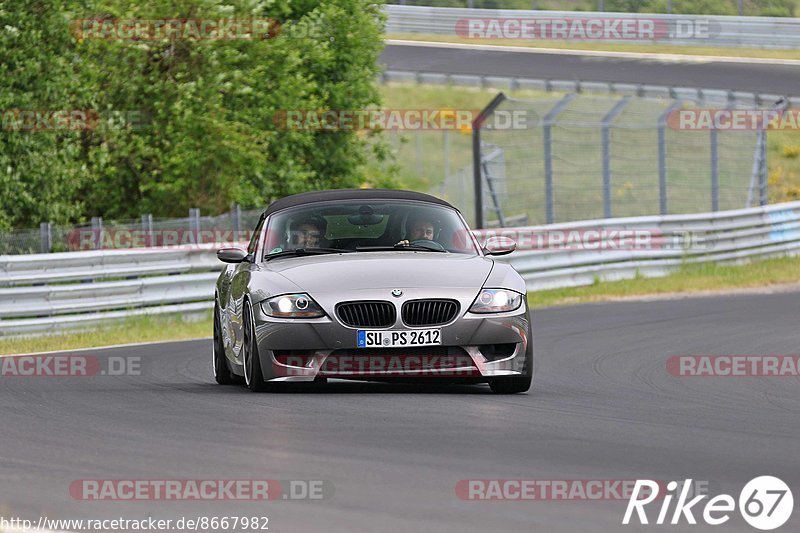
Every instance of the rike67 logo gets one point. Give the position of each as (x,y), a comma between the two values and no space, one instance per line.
(766,503)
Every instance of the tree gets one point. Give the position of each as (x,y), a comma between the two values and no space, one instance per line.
(40,170)
(187,122)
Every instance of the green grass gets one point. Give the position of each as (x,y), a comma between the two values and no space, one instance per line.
(686,280)
(655,48)
(131,330)
(783,160)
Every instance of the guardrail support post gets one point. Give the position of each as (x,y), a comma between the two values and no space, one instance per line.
(97,232)
(194,224)
(147,229)
(606,135)
(45,237)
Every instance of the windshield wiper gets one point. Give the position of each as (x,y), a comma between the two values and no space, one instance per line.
(398,246)
(298,252)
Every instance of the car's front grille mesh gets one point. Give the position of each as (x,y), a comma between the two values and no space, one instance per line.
(429,312)
(367,314)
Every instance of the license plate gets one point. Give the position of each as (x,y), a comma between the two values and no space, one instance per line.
(393,339)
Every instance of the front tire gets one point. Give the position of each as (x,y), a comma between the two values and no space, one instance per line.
(252,362)
(222,373)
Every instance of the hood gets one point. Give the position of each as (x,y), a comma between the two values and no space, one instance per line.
(370,270)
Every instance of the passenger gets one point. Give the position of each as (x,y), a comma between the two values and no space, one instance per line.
(308,232)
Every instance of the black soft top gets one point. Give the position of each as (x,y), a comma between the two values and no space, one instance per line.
(351,194)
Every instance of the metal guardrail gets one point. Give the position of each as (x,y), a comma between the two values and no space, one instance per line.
(50,292)
(720,31)
(720,97)
(35,298)
(721,237)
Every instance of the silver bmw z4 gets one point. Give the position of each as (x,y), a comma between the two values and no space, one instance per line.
(370,285)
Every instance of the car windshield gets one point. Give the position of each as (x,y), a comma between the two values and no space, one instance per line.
(368,227)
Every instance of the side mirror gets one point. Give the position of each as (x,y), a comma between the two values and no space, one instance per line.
(231,255)
(499,246)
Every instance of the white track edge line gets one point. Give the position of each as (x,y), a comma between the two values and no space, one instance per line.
(109,347)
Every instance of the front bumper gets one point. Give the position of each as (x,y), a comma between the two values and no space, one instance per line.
(475,347)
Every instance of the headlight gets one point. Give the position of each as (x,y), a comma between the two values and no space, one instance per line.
(496,301)
(292,306)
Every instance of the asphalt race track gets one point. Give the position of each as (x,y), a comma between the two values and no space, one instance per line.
(751,77)
(603,407)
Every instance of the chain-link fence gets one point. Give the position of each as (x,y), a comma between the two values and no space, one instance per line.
(234,226)
(576,157)
(591,157)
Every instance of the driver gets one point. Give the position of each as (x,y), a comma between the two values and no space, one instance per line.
(307,232)
(420,229)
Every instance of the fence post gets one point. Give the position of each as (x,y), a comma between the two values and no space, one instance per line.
(763,174)
(97,232)
(715,164)
(490,185)
(606,135)
(45,238)
(147,229)
(662,156)
(446,142)
(194,224)
(236,218)
(477,158)
(547,124)
(714,169)
(418,152)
